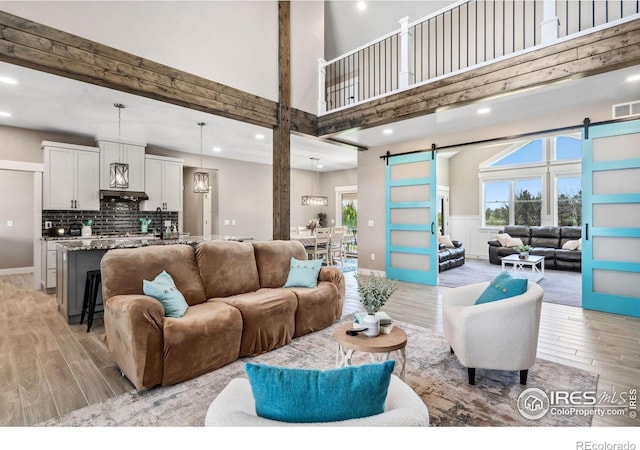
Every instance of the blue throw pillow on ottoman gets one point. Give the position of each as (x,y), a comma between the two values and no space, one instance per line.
(308,395)
(503,286)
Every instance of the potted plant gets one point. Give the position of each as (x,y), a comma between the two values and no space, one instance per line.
(322,220)
(374,292)
(523,250)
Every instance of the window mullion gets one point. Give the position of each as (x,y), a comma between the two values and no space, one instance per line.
(512,203)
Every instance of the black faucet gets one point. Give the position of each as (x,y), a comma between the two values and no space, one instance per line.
(158,209)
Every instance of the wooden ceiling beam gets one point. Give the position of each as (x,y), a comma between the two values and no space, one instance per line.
(40,47)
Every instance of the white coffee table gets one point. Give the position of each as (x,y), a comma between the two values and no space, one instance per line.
(532,267)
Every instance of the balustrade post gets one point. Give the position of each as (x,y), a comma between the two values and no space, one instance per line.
(406,47)
(322,86)
(550,23)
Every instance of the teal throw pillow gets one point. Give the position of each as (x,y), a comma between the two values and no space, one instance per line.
(163,289)
(308,395)
(303,273)
(503,286)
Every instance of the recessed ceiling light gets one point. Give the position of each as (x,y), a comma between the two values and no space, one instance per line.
(362,6)
(634,78)
(484,110)
(5,114)
(387,131)
(8,80)
(259,136)
(217,149)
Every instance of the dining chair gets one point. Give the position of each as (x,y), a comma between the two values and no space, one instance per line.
(337,250)
(321,245)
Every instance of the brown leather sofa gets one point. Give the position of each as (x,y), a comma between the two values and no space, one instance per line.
(237,306)
(545,241)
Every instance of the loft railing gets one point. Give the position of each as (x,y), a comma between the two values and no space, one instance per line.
(463,36)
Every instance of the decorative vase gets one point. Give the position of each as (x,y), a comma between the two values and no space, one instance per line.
(373,325)
(523,255)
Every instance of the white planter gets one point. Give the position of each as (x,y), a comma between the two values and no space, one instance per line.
(86,231)
(373,325)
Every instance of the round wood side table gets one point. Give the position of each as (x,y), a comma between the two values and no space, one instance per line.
(379,347)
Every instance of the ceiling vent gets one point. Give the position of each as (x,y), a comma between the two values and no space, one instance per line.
(623,110)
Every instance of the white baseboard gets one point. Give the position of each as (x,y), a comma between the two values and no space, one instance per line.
(378,273)
(476,256)
(16,271)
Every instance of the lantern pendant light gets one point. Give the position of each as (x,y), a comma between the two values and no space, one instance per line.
(201,178)
(119,171)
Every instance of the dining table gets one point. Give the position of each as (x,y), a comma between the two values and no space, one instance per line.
(307,239)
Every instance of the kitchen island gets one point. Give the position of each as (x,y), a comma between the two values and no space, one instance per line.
(74,258)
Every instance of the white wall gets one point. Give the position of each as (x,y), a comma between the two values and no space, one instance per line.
(231,42)
(16,205)
(349,28)
(307,46)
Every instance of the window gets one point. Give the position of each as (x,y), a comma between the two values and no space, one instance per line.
(525,154)
(527,205)
(534,183)
(568,147)
(569,201)
(524,195)
(497,196)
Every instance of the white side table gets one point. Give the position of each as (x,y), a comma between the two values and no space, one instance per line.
(532,266)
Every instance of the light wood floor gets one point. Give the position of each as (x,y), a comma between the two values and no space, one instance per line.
(49,368)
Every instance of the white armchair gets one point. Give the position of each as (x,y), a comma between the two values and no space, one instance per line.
(500,335)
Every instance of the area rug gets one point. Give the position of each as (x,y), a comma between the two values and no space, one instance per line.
(560,286)
(349,265)
(434,373)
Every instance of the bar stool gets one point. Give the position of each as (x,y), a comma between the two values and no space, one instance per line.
(91,287)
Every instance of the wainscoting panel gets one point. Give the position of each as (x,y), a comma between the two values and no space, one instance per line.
(468,230)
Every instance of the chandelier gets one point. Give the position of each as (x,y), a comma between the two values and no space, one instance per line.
(315,200)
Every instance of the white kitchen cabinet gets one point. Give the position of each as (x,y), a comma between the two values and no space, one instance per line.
(70,177)
(48,266)
(163,183)
(132,154)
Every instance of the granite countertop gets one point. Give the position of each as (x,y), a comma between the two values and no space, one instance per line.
(128,242)
(67,237)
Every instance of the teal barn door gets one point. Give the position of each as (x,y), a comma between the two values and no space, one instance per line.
(411,199)
(611,218)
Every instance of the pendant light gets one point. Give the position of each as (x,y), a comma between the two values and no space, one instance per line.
(201,178)
(315,200)
(119,171)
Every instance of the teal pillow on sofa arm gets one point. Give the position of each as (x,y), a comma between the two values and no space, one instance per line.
(308,395)
(163,289)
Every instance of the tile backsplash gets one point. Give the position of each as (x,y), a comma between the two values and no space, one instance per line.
(112,219)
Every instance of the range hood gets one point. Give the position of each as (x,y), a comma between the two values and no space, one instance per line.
(123,196)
